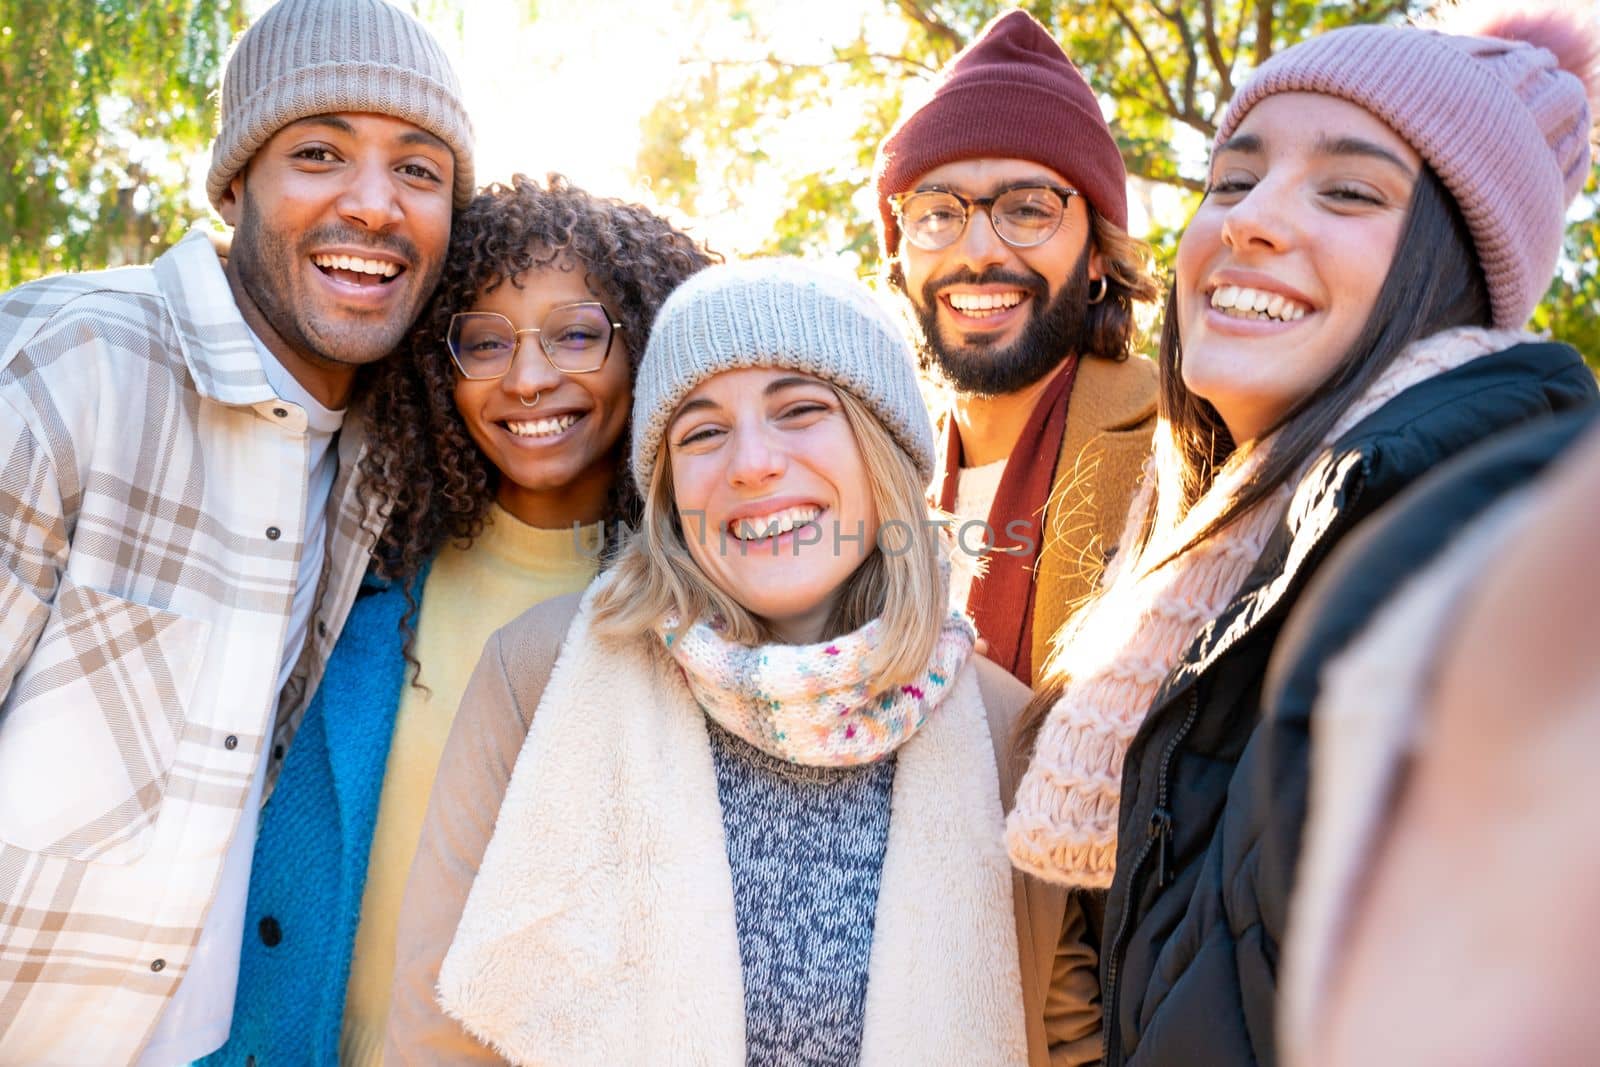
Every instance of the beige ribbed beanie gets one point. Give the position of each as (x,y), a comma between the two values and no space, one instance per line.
(777,313)
(319,57)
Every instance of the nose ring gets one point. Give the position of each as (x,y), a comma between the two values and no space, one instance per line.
(525,402)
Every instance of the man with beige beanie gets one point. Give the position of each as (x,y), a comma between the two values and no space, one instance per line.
(181,531)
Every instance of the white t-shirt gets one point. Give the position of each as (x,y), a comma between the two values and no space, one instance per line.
(196,1020)
(975,490)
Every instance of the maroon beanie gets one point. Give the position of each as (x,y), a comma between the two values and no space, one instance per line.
(1011,94)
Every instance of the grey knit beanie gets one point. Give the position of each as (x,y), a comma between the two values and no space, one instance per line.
(777,313)
(319,57)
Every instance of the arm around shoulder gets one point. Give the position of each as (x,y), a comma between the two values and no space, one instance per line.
(474,771)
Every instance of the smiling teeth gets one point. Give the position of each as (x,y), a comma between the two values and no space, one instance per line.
(381,268)
(542,427)
(1245,303)
(779,522)
(985,301)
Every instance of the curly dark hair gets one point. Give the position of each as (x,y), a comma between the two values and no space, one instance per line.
(420,456)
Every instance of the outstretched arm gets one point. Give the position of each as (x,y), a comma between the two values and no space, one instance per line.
(1478,915)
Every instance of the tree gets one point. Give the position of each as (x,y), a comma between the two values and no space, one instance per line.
(1571,309)
(1165,70)
(107,100)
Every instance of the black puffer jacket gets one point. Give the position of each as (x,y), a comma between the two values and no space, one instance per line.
(1197,909)
(1375,564)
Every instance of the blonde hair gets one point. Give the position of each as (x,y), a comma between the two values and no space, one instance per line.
(655,577)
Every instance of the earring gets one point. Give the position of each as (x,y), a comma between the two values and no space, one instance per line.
(524,400)
(1096,296)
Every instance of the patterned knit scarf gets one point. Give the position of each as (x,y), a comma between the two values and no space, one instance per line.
(1116,652)
(810,704)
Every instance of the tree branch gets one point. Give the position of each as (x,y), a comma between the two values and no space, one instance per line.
(1263,31)
(1367,12)
(936,26)
(1238,38)
(915,65)
(1198,123)
(1142,169)
(1191,55)
(1208,15)
(787,67)
(1171,109)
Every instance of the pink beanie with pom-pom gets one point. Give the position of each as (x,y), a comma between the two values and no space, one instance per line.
(1497,103)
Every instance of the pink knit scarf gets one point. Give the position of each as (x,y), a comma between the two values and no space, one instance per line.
(1115,653)
(813,704)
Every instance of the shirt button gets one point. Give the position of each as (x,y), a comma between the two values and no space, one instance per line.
(230,742)
(271,933)
(282,413)
(273,533)
(158,965)
(277,751)
(322,628)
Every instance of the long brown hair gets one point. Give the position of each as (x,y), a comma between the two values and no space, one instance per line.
(1434,283)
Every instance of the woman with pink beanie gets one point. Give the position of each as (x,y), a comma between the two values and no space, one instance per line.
(1385,208)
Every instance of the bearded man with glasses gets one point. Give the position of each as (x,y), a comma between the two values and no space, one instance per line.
(1003,216)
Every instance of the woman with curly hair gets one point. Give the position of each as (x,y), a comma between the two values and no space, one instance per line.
(500,441)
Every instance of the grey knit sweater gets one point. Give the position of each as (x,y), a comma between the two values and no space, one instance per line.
(805,845)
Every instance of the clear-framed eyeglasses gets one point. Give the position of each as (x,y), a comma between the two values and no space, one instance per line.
(575,338)
(1022,217)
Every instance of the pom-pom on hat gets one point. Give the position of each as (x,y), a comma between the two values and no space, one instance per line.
(1499,104)
(1011,94)
(321,57)
(777,313)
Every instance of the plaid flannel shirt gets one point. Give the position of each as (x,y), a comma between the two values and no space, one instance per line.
(151,502)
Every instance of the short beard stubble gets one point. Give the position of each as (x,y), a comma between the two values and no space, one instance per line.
(1053,331)
(266,260)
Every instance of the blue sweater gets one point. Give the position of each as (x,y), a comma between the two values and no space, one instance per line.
(805,848)
(311,849)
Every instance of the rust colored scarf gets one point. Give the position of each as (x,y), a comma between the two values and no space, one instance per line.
(1001,600)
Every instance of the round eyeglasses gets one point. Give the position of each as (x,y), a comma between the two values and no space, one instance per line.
(574,338)
(1022,217)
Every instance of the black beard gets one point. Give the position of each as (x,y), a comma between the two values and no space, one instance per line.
(1054,330)
(265,259)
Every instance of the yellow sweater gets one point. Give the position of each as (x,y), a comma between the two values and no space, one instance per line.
(469,594)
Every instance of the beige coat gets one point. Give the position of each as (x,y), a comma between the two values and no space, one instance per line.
(1110,420)
(1059,994)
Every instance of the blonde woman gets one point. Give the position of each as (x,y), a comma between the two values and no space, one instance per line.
(741,804)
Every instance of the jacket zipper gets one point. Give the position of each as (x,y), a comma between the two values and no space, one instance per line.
(1159,832)
(1158,838)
